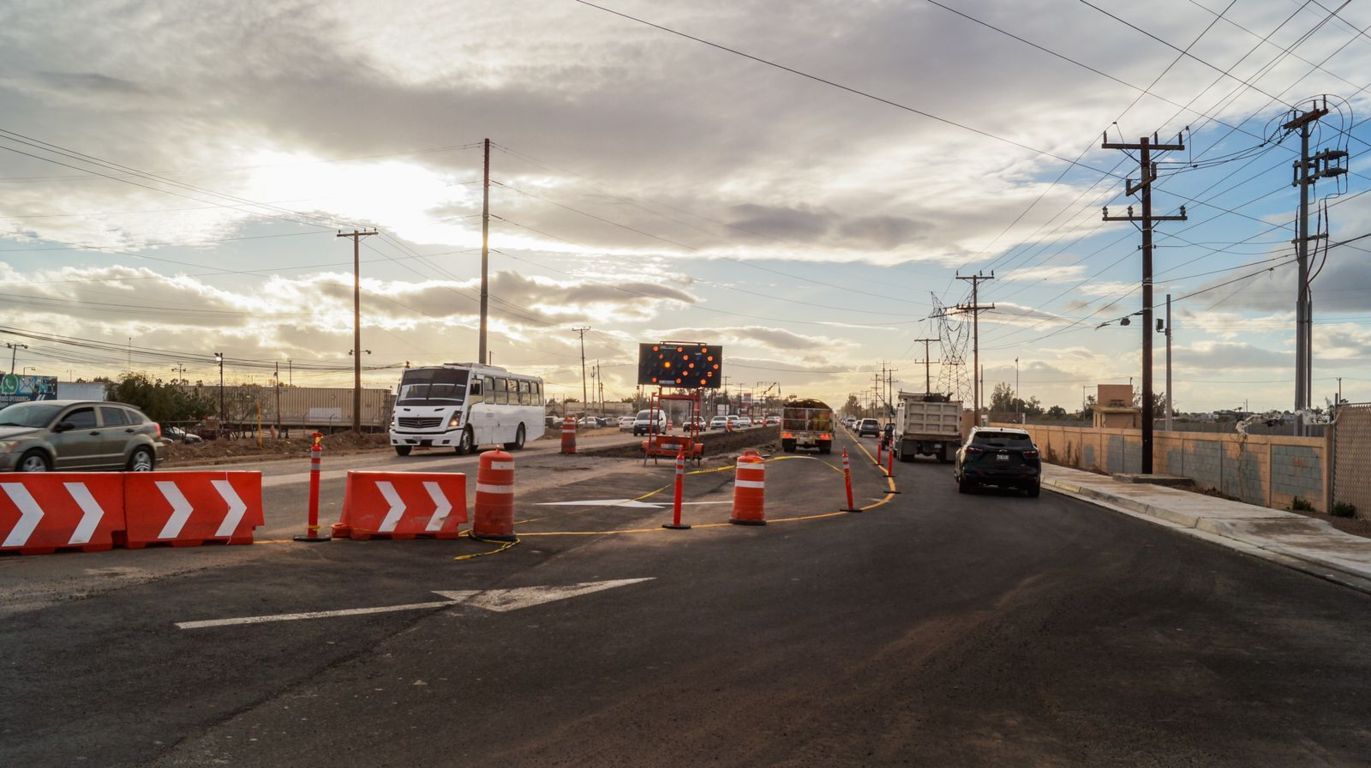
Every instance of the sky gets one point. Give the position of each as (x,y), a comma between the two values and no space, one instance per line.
(801,182)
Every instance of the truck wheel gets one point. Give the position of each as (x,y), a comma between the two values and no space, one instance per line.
(788,446)
(903,456)
(825,448)
(942,459)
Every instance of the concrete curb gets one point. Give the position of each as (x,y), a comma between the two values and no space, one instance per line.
(1238,534)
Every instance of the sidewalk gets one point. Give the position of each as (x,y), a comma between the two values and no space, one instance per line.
(1295,541)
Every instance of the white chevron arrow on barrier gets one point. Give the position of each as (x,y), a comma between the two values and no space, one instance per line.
(236,508)
(29,514)
(180,509)
(397,507)
(91,513)
(442,506)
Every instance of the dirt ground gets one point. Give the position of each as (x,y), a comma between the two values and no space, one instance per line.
(247,449)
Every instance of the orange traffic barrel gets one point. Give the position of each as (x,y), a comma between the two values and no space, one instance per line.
(569,435)
(749,490)
(494,515)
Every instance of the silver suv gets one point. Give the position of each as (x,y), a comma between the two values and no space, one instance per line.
(47,435)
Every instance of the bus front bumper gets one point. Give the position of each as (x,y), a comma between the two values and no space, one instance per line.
(449,438)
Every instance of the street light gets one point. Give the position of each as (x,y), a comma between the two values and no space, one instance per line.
(219,358)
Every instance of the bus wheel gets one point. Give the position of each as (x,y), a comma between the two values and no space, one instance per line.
(468,442)
(402,450)
(518,444)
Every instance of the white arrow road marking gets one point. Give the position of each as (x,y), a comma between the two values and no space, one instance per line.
(397,507)
(236,508)
(500,600)
(180,509)
(453,599)
(627,503)
(29,514)
(90,509)
(444,506)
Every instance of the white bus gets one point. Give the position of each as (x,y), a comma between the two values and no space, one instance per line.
(464,405)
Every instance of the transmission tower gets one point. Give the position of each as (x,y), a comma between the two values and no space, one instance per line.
(954,336)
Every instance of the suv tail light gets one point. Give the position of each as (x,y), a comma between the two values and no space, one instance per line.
(159,429)
(972,450)
(1030,454)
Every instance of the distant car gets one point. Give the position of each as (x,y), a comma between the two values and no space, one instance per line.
(47,435)
(178,435)
(772,421)
(650,422)
(868,428)
(625,423)
(743,422)
(718,422)
(998,456)
(732,421)
(696,423)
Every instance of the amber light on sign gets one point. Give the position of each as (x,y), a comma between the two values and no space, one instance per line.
(688,366)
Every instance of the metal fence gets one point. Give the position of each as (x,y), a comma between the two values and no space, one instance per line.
(1351,465)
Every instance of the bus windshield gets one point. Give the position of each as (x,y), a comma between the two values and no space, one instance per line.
(432,386)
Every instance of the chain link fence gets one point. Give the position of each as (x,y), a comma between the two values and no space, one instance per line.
(1351,479)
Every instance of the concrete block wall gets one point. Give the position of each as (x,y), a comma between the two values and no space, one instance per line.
(1267,470)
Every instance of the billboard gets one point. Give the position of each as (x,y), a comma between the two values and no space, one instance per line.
(21,389)
(681,364)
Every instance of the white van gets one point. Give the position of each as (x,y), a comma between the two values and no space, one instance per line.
(650,422)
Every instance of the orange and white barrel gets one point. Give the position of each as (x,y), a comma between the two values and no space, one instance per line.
(749,490)
(569,435)
(494,515)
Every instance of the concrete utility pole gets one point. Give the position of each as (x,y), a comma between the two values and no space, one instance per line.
(1307,171)
(219,357)
(14,353)
(928,363)
(481,353)
(1169,410)
(277,376)
(1148,171)
(357,235)
(585,393)
(975,308)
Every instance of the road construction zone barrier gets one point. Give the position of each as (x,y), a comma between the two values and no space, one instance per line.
(749,490)
(494,518)
(402,505)
(187,509)
(41,513)
(678,494)
(569,435)
(847,483)
(316,451)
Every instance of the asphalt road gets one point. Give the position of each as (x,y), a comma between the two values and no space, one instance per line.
(933,629)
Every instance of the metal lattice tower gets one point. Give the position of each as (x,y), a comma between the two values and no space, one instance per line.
(954,336)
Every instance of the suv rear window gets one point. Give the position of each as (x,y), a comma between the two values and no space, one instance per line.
(1003,440)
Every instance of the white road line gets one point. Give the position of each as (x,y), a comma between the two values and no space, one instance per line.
(454,600)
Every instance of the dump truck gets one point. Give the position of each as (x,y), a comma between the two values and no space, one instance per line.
(806,424)
(927,425)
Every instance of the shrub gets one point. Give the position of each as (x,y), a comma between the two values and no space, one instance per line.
(1300,505)
(1343,509)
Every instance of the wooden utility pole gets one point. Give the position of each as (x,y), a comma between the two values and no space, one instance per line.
(585,394)
(357,235)
(482,354)
(928,363)
(976,308)
(1148,170)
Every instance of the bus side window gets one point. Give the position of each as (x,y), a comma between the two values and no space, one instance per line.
(511,392)
(475,396)
(525,394)
(501,393)
(537,392)
(491,396)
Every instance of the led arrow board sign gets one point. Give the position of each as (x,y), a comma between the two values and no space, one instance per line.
(680,364)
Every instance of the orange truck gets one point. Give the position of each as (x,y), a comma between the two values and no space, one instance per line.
(806,424)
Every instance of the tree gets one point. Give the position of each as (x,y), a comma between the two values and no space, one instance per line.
(1056,412)
(1005,400)
(1158,403)
(162,402)
(853,406)
(1088,412)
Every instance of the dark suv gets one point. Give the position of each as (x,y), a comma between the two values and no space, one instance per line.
(998,456)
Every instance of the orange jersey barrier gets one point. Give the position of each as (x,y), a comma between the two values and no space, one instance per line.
(43,512)
(187,509)
(402,505)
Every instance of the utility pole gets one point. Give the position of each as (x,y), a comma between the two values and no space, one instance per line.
(277,375)
(585,396)
(485,258)
(890,391)
(928,363)
(1169,410)
(290,372)
(357,235)
(1148,170)
(1017,394)
(1307,171)
(975,308)
(14,353)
